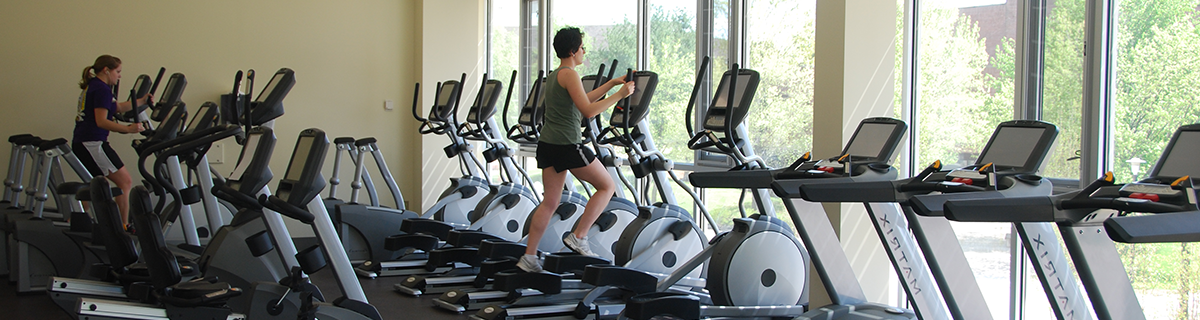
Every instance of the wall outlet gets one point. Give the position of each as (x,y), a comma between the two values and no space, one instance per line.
(389,105)
(216,154)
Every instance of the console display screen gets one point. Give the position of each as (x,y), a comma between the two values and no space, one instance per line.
(722,97)
(443,99)
(247,154)
(299,158)
(168,91)
(1012,146)
(870,140)
(1182,161)
(192,126)
(270,87)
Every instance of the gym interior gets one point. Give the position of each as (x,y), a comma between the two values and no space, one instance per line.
(840,62)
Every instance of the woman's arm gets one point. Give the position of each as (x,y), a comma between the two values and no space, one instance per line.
(569,79)
(600,91)
(126,106)
(103,122)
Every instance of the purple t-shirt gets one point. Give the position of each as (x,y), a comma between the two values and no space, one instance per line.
(98,95)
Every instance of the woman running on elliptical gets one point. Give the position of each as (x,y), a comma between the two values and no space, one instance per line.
(93,121)
(560,147)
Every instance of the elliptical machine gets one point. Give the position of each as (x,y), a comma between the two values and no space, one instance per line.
(364,227)
(736,275)
(464,193)
(502,212)
(653,244)
(499,210)
(721,283)
(502,255)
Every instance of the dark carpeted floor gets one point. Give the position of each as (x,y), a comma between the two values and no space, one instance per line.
(379,291)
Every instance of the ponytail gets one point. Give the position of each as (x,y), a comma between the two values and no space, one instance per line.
(87,76)
(104,61)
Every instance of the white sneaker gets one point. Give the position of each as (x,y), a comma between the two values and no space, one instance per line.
(579,245)
(529,263)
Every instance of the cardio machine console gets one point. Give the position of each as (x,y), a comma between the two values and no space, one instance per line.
(872,146)
(1149,192)
(1016,148)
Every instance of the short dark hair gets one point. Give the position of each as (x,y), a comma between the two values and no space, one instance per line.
(566,40)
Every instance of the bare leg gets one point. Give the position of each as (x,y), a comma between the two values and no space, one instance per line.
(123,181)
(552,183)
(593,174)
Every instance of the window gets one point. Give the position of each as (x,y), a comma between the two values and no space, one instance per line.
(505,43)
(1155,92)
(964,87)
(672,54)
(610,32)
(1062,92)
(780,36)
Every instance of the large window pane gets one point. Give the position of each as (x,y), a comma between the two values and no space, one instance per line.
(719,50)
(1158,67)
(673,56)
(898,103)
(506,49)
(964,88)
(780,37)
(1062,94)
(609,27)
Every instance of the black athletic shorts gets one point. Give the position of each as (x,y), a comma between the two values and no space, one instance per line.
(563,157)
(98,157)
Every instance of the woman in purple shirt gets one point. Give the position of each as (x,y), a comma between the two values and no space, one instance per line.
(94,120)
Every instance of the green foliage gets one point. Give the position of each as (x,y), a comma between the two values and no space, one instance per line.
(959,104)
(506,59)
(672,55)
(1156,91)
(1062,94)
(1158,66)
(780,38)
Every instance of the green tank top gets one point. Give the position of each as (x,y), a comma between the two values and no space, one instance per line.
(561,121)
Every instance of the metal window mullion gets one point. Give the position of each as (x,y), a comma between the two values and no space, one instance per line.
(909,93)
(1017,284)
(544,30)
(1099,74)
(704,48)
(737,32)
(1030,60)
(643,30)
(530,42)
(487,43)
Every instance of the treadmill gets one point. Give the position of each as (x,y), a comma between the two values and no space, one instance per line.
(1170,227)
(1004,169)
(865,158)
(1090,219)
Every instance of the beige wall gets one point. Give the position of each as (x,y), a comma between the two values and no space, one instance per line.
(453,44)
(349,57)
(855,56)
